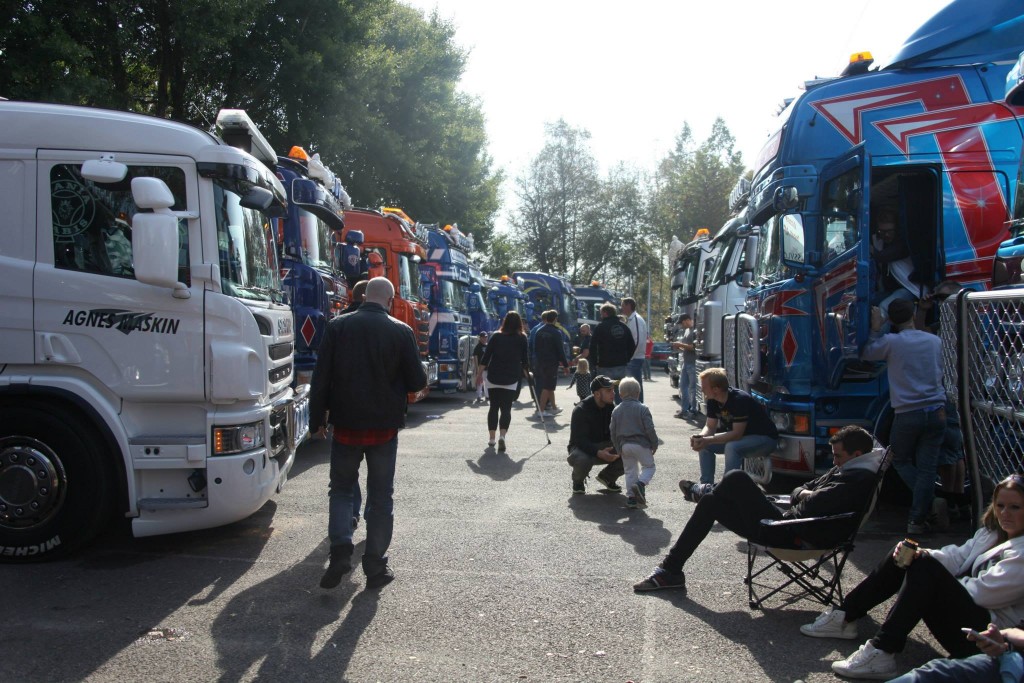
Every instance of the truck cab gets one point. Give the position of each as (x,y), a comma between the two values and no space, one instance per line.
(922,140)
(400,245)
(590,299)
(447,272)
(146,351)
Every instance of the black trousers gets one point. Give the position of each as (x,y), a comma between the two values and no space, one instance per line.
(500,412)
(736,503)
(926,590)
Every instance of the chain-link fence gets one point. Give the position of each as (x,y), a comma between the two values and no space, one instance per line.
(983,364)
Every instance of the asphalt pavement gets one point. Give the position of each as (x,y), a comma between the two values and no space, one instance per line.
(502,575)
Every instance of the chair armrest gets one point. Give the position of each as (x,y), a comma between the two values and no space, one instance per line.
(809,532)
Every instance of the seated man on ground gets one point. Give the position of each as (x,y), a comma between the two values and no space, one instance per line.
(738,425)
(590,438)
(740,505)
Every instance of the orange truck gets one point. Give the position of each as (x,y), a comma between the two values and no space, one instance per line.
(391,244)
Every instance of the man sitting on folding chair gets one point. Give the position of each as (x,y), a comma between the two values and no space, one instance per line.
(740,505)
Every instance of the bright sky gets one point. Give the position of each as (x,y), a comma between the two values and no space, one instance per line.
(633,73)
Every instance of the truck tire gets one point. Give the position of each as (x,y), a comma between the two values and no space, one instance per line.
(55,485)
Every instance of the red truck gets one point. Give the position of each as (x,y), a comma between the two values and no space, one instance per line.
(391,241)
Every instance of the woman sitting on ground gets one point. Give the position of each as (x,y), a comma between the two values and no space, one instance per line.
(954,587)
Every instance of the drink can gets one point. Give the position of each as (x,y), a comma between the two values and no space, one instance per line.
(905,555)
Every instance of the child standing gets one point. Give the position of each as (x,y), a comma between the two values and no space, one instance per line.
(635,440)
(581,378)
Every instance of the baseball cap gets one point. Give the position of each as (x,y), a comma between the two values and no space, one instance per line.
(601,382)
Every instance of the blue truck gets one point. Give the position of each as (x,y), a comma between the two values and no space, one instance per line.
(927,137)
(590,298)
(446,274)
(306,240)
(305,237)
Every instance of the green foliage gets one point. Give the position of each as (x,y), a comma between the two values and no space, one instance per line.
(370,84)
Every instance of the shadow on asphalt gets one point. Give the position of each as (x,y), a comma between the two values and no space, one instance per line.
(499,466)
(646,534)
(257,630)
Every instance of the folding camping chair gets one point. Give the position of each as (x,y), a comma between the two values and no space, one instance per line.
(810,553)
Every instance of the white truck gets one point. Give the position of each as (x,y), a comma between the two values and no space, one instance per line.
(145,350)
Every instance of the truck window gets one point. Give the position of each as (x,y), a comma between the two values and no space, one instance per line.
(768,261)
(840,208)
(248,260)
(92,230)
(317,242)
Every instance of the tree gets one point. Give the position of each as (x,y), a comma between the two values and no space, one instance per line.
(370,84)
(558,198)
(693,184)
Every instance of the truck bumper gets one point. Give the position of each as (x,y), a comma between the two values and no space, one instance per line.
(795,455)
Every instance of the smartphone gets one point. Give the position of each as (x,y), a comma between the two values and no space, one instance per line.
(978,636)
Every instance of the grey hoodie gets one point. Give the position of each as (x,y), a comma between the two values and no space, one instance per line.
(632,423)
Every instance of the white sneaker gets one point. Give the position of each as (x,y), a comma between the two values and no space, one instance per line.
(547,414)
(830,624)
(867,662)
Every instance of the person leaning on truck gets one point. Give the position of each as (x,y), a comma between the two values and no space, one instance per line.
(366,365)
(914,361)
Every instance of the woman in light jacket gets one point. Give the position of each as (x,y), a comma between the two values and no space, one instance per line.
(506,361)
(955,587)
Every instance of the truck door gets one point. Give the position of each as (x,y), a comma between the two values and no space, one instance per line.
(842,292)
(91,314)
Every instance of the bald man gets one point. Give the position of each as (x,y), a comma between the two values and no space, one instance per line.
(367,363)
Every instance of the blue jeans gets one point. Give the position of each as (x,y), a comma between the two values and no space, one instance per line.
(635,369)
(688,387)
(735,451)
(978,668)
(379,512)
(916,439)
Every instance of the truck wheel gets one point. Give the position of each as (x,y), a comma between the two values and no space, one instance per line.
(55,486)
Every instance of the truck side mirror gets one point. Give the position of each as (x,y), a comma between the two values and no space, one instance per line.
(744,279)
(155,236)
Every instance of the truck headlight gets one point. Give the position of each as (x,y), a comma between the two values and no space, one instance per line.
(795,423)
(238,438)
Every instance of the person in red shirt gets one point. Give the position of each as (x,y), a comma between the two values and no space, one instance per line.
(647,359)
(367,364)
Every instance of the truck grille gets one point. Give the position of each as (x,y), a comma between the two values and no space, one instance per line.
(279,351)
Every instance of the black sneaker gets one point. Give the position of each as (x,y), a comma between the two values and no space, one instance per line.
(660,580)
(579,487)
(640,494)
(692,491)
(608,484)
(380,579)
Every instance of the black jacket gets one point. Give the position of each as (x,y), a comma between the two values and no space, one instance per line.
(547,346)
(591,426)
(365,366)
(612,345)
(505,358)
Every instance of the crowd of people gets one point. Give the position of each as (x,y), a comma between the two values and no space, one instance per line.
(977,586)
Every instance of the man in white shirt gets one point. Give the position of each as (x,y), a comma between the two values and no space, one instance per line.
(638,328)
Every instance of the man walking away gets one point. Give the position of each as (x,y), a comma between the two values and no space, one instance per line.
(612,346)
(550,354)
(368,362)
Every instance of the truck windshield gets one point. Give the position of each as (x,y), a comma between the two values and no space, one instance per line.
(316,240)
(453,294)
(726,254)
(245,242)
